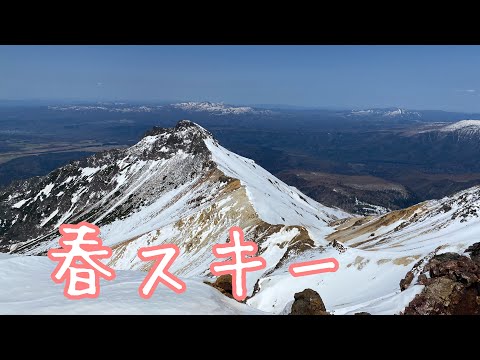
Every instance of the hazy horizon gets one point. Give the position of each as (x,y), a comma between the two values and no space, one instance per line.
(53,102)
(348,77)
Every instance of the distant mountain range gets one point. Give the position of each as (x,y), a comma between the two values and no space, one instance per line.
(191,106)
(388,113)
(220,108)
(337,157)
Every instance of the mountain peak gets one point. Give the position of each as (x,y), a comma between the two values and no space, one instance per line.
(186,126)
(187,137)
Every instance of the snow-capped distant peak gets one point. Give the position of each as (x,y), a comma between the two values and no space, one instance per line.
(395,112)
(463,129)
(471,126)
(216,108)
(388,113)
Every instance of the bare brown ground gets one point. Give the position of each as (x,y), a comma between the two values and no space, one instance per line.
(353,228)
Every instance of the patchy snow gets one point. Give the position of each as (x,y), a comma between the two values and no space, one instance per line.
(45,191)
(370,209)
(50,217)
(88,171)
(149,218)
(149,140)
(68,180)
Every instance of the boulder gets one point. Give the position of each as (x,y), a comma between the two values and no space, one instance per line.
(223,284)
(452,289)
(455,267)
(474,251)
(308,302)
(405,283)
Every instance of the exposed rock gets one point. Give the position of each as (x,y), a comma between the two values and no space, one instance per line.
(223,284)
(474,251)
(308,302)
(455,267)
(452,289)
(446,257)
(446,208)
(422,279)
(362,313)
(405,283)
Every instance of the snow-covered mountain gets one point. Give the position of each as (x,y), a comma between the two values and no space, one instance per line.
(107,107)
(464,128)
(181,186)
(386,113)
(218,108)
(177,186)
(190,106)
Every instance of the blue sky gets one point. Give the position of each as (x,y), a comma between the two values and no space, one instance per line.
(415,77)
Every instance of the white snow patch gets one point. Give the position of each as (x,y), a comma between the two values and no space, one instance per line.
(19,204)
(45,191)
(88,171)
(50,217)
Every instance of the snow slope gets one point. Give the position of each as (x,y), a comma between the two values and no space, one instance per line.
(379,251)
(274,201)
(31,291)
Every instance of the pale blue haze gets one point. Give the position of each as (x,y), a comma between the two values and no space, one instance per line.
(415,77)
